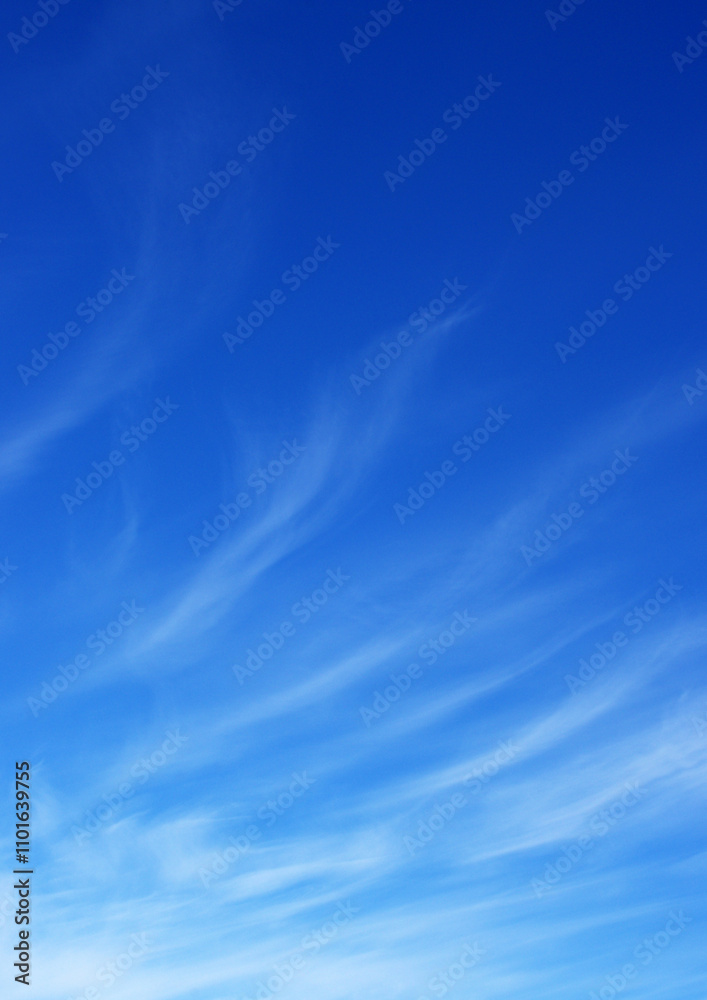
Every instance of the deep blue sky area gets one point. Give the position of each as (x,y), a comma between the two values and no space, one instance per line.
(352,583)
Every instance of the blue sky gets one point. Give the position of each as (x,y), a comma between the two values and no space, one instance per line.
(353,405)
